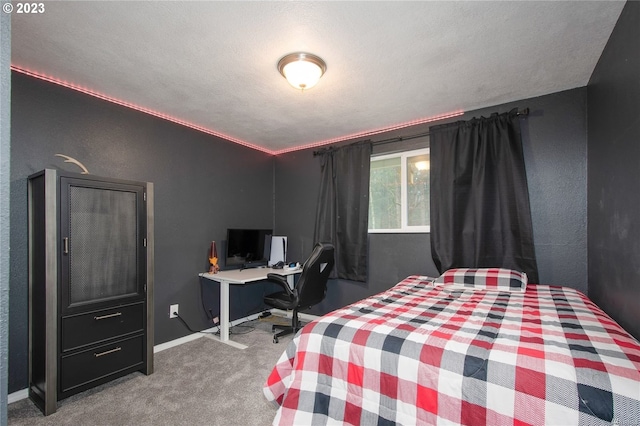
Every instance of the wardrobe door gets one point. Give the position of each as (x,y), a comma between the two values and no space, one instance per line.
(103,237)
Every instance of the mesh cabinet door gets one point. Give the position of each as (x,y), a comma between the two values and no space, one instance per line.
(103,231)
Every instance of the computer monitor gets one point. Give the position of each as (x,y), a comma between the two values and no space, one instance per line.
(248,247)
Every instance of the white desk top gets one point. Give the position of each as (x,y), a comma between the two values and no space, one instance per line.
(243,276)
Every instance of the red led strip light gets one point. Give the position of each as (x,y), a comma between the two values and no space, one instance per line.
(371,132)
(222,135)
(138,108)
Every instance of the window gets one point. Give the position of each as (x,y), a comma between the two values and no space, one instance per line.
(399,192)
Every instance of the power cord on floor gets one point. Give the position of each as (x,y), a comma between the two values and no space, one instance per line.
(195,331)
(248,328)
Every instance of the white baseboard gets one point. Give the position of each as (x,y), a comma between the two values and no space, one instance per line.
(17,396)
(24,393)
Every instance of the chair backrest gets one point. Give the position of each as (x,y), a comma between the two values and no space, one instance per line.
(312,284)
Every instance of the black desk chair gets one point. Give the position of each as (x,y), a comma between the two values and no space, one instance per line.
(309,290)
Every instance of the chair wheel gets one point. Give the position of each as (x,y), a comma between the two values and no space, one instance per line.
(275,339)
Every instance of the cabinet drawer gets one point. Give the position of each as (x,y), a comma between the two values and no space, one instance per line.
(96,363)
(97,326)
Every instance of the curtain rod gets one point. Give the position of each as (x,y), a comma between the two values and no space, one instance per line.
(523,112)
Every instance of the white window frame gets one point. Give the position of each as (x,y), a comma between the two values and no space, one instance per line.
(404,214)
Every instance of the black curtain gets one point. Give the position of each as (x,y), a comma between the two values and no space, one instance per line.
(342,215)
(480,213)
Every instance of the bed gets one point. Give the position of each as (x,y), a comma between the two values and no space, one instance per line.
(429,351)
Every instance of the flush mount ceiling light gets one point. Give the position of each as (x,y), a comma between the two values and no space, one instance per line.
(302,70)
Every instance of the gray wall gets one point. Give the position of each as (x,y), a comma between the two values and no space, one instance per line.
(614,174)
(202,186)
(5,135)
(555,149)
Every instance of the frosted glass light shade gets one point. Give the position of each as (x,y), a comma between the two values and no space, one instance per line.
(302,70)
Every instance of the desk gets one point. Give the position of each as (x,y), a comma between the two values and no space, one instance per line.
(241,277)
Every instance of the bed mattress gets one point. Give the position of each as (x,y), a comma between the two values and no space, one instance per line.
(425,354)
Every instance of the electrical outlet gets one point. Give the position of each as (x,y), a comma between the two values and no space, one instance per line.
(173,311)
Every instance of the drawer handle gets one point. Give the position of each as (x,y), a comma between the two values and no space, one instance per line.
(117,314)
(118,349)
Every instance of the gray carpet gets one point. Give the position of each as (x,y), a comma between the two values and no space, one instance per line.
(203,382)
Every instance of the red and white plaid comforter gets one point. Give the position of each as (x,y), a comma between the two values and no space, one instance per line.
(418,354)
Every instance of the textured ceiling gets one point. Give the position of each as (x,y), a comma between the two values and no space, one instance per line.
(212,65)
